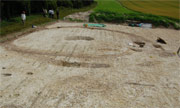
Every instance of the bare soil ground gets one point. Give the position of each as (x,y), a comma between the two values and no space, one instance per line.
(81,16)
(66,65)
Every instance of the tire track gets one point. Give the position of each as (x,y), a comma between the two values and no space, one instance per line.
(70,55)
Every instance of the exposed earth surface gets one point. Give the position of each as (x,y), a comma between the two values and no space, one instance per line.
(66,65)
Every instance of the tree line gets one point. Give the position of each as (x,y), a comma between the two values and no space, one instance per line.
(12,8)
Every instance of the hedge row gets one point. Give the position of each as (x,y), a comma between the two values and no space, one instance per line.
(107,16)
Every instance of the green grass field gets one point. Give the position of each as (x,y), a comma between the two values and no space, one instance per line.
(168,8)
(111,5)
(115,11)
(15,24)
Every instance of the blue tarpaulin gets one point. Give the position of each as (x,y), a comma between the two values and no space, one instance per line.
(94,25)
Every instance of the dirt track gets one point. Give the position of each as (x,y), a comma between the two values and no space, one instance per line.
(68,66)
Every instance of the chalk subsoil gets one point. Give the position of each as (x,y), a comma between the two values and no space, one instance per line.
(66,65)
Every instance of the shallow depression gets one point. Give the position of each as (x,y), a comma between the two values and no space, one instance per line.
(87,38)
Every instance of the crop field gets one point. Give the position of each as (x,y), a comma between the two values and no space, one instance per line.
(159,13)
(168,8)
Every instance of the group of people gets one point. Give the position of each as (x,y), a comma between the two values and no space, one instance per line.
(51,14)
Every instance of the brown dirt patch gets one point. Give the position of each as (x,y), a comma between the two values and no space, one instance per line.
(29,73)
(108,49)
(80,64)
(158,46)
(87,38)
(6,74)
(141,44)
(139,84)
(136,50)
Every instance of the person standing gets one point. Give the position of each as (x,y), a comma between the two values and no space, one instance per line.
(23,17)
(52,12)
(44,12)
(57,13)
